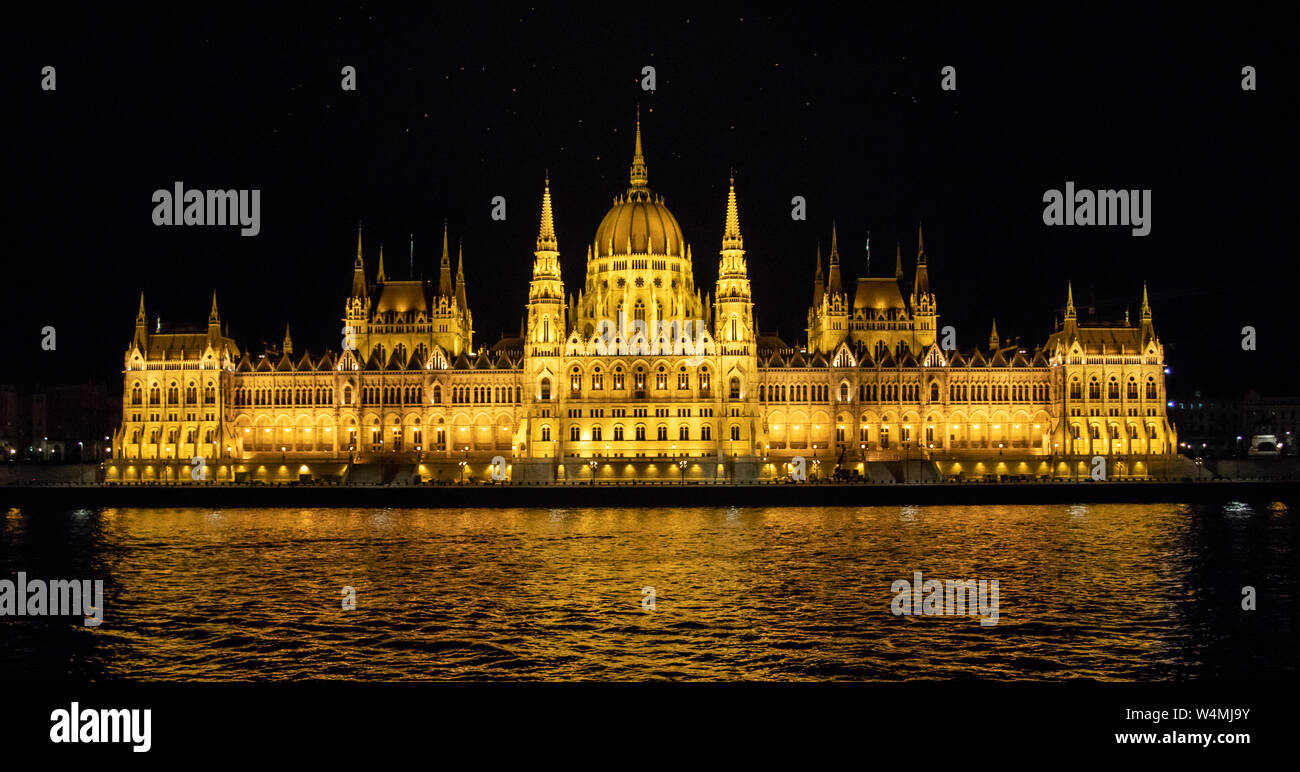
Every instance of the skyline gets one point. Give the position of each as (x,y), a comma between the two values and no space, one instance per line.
(868,138)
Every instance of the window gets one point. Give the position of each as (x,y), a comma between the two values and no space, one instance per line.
(683,433)
(618,433)
(1094,389)
(661,378)
(1132,391)
(735,387)
(546,434)
(137,394)
(706,432)
(661,433)
(844,392)
(704,381)
(735,432)
(618,378)
(546,391)
(597,380)
(1076,389)
(640,433)
(683,379)
(1112,389)
(595,434)
(1151,388)
(934,391)
(575,433)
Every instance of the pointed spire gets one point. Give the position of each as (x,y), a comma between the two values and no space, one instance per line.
(381,278)
(819,286)
(731,238)
(546,241)
(898,263)
(639,176)
(212,315)
(460,279)
(920,245)
(993,337)
(833,285)
(411,267)
(140,317)
(1146,306)
(1070,313)
(444,275)
(358,270)
(357,263)
(288,340)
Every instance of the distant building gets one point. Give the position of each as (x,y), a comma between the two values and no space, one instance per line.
(57,422)
(1216,428)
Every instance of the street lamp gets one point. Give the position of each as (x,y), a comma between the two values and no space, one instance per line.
(463,463)
(681,464)
(592,464)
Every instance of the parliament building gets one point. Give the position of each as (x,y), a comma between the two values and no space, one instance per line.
(640,376)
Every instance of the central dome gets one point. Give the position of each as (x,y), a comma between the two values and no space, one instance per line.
(639,223)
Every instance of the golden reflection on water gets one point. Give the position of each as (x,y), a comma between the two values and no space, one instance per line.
(1108,592)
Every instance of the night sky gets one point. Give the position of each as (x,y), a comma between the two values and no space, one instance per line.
(451,110)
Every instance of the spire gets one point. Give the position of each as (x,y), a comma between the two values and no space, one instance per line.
(358,270)
(288,340)
(731,238)
(1146,306)
(546,241)
(1070,313)
(140,317)
(993,337)
(412,264)
(819,286)
(381,278)
(921,282)
(213,317)
(920,245)
(460,278)
(639,176)
(833,286)
(898,263)
(444,278)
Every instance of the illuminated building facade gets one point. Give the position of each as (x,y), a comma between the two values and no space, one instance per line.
(639,376)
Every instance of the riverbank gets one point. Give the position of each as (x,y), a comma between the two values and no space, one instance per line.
(626,496)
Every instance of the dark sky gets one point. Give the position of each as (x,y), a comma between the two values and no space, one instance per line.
(453,109)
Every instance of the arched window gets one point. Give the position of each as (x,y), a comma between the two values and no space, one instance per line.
(575,433)
(575,380)
(1076,389)
(734,387)
(640,433)
(546,434)
(595,433)
(437,394)
(1094,389)
(597,379)
(683,432)
(137,394)
(661,378)
(661,433)
(1132,391)
(618,433)
(1112,389)
(1151,387)
(546,389)
(638,311)
(844,392)
(735,431)
(934,391)
(706,432)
